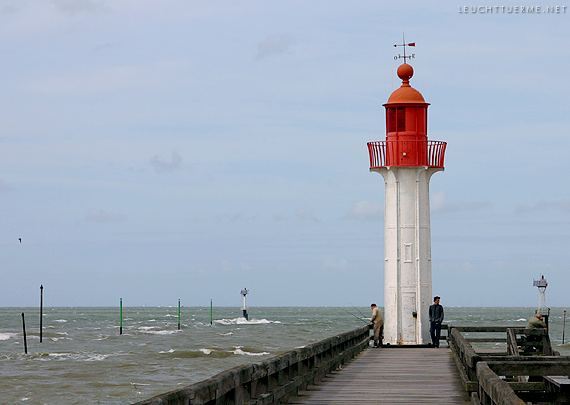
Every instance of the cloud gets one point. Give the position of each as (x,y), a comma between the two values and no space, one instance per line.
(365,211)
(4,186)
(440,205)
(544,206)
(279,217)
(99,80)
(305,214)
(274,45)
(163,166)
(78,6)
(468,268)
(336,264)
(101,216)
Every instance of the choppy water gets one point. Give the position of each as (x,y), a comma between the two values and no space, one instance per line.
(83,359)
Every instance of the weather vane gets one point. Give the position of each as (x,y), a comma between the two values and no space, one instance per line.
(412,56)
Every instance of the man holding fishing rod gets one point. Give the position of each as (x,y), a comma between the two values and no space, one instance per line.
(378,322)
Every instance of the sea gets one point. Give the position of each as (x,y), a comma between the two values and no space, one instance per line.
(84,359)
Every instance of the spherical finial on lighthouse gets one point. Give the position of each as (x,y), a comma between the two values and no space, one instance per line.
(405,72)
(406,93)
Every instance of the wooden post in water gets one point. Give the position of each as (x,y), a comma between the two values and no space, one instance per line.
(41,310)
(178,313)
(211,313)
(121,323)
(24,329)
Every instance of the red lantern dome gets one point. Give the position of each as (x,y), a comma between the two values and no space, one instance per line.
(406,142)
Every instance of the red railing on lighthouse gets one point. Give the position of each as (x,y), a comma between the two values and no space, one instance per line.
(388,153)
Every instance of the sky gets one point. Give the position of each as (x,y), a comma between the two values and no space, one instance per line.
(163,150)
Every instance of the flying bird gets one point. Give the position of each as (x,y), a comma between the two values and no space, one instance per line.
(20,239)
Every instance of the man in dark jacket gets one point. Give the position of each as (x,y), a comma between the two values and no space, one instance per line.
(435,320)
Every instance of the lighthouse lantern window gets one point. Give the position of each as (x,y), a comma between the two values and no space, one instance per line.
(396,119)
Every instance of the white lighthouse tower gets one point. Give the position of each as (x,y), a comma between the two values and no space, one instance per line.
(407,160)
(244,292)
(541,284)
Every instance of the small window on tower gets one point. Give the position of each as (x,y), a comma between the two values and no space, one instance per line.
(391,118)
(401,114)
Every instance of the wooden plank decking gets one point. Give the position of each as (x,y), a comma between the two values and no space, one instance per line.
(391,376)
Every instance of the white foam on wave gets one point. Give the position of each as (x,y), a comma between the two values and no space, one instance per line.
(206,351)
(153,330)
(6,336)
(61,320)
(243,321)
(167,351)
(163,332)
(97,357)
(82,356)
(238,350)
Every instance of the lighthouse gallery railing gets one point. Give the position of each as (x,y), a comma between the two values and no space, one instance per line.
(380,150)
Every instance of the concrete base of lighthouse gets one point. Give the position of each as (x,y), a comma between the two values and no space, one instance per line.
(407,267)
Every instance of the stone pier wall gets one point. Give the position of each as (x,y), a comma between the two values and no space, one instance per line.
(274,380)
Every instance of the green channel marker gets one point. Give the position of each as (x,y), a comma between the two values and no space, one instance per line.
(121,325)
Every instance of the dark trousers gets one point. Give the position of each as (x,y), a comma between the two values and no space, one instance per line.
(435,332)
(378,333)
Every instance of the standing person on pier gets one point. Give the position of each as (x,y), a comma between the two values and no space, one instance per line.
(435,319)
(378,327)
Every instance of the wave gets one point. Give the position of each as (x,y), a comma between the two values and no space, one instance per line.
(73,356)
(239,350)
(79,356)
(243,321)
(153,330)
(208,352)
(6,336)
(192,354)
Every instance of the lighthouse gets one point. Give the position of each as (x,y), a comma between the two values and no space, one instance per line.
(406,160)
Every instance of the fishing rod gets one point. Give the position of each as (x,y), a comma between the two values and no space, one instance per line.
(357,317)
(358,311)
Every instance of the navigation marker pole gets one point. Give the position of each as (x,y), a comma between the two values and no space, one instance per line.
(211,313)
(41,310)
(121,324)
(24,329)
(178,313)
(564,327)
(244,308)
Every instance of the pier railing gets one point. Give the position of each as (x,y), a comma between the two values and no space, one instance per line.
(526,371)
(274,380)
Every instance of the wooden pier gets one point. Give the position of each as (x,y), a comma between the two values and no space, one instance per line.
(519,368)
(391,376)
